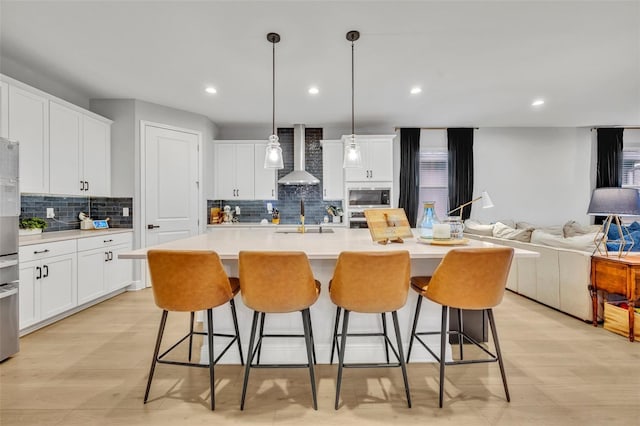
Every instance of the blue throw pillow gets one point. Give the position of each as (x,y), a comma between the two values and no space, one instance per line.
(633,236)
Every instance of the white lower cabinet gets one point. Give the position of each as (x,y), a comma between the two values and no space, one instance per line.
(48,281)
(99,269)
(57,278)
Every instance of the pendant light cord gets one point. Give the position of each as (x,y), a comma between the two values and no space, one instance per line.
(273,87)
(352,91)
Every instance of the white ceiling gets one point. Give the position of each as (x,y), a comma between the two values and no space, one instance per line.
(479,63)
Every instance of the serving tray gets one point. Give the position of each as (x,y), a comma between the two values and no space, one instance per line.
(450,242)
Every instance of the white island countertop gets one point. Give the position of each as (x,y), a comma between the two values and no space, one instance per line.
(229,242)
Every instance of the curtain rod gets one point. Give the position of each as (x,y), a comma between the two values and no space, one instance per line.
(433,128)
(618,127)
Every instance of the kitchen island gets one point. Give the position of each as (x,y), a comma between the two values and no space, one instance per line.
(323,250)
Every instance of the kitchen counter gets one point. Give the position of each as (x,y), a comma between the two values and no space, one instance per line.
(322,250)
(49,237)
(270,225)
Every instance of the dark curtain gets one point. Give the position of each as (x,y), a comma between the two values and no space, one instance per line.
(609,162)
(460,146)
(410,173)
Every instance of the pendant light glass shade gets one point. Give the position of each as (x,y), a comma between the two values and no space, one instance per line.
(352,156)
(273,152)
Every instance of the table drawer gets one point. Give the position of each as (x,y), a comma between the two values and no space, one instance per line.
(44,250)
(102,241)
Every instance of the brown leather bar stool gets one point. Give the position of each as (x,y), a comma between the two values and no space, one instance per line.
(189,281)
(370,282)
(470,279)
(277,282)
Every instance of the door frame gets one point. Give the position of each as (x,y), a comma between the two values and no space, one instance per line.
(143,177)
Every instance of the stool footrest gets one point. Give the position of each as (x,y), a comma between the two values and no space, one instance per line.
(372,365)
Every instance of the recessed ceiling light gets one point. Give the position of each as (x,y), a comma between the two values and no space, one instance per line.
(313,90)
(538,102)
(211,90)
(415,90)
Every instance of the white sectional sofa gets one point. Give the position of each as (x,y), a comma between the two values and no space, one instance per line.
(560,277)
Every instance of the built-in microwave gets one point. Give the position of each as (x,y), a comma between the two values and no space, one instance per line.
(369,197)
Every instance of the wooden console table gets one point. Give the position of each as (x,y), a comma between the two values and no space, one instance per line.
(615,275)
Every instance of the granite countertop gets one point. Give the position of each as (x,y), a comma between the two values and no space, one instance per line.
(48,237)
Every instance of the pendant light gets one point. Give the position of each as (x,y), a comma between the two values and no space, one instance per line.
(352,155)
(273,154)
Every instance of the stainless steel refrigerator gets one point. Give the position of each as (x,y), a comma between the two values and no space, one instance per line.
(9,270)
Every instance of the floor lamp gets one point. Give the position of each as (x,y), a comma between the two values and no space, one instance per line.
(614,203)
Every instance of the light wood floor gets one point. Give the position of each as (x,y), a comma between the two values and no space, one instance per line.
(91,369)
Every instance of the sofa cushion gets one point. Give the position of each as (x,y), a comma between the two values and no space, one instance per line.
(474,227)
(584,242)
(555,230)
(633,235)
(573,228)
(500,230)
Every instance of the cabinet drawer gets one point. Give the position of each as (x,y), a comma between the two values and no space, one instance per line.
(102,241)
(44,250)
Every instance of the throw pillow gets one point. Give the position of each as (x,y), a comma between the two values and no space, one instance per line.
(555,230)
(573,228)
(474,227)
(500,230)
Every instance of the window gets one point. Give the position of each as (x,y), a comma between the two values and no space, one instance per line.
(434,181)
(630,173)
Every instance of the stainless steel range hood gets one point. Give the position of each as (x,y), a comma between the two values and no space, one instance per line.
(298,176)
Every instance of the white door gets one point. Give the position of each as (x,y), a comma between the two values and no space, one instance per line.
(380,160)
(265,179)
(171,184)
(96,156)
(332,171)
(245,171)
(225,172)
(58,285)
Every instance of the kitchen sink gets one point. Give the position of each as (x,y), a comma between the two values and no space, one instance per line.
(306,231)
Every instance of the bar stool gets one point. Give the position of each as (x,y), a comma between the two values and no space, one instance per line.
(277,282)
(470,279)
(189,281)
(370,282)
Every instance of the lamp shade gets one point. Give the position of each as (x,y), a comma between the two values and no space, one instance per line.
(614,201)
(486,200)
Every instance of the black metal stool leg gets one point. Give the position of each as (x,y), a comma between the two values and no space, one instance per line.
(313,344)
(460,334)
(235,326)
(343,344)
(193,314)
(306,323)
(443,350)
(386,338)
(494,333)
(413,328)
(403,366)
(163,322)
(334,338)
(262,315)
(211,357)
(247,367)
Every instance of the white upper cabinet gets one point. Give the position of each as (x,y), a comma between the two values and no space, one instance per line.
(377,159)
(96,156)
(4,110)
(332,171)
(79,153)
(235,171)
(29,125)
(65,150)
(265,187)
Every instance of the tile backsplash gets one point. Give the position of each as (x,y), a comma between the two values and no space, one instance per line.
(289,196)
(66,210)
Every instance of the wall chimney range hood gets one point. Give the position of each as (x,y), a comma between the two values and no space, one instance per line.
(298,176)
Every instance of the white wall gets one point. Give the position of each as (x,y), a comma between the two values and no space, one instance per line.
(538,175)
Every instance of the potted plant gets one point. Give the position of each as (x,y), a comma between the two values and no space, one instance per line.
(32,225)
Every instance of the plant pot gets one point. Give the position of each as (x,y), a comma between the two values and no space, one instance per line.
(32,231)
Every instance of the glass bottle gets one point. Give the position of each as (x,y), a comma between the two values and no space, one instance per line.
(429,218)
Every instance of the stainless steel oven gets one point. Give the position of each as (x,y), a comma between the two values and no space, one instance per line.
(364,198)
